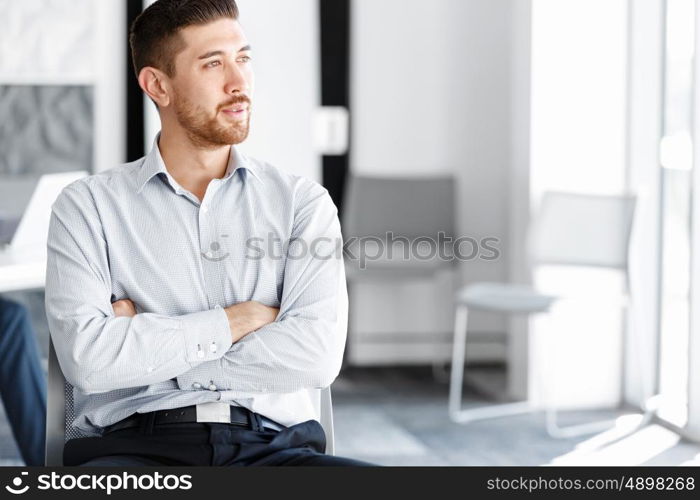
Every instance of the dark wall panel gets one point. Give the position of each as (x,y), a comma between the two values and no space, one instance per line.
(335,83)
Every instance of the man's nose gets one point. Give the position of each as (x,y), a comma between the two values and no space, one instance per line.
(236,81)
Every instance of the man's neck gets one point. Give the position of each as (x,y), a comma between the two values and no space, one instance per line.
(191,166)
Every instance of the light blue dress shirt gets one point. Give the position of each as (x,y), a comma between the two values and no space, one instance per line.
(258,234)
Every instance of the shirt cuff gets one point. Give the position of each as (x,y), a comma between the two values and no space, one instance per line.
(206,335)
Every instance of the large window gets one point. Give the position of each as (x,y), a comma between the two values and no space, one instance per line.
(676,165)
(578,130)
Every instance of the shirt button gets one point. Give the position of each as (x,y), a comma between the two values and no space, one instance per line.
(205,209)
(149,369)
(200,354)
(213,347)
(212,387)
(197,385)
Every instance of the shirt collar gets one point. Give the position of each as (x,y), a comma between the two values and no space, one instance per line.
(153,164)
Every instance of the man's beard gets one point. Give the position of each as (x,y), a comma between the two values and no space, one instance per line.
(208,132)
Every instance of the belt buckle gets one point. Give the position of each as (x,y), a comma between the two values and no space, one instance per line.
(214,412)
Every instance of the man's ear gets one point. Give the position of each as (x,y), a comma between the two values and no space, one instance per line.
(154,83)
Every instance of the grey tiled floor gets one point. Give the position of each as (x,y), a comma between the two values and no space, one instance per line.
(398,416)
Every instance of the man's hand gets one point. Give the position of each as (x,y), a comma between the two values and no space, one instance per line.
(247,317)
(243,318)
(124,308)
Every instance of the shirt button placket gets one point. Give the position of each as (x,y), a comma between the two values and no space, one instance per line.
(209,242)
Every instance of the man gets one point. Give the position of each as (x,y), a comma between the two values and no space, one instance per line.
(22,384)
(193,325)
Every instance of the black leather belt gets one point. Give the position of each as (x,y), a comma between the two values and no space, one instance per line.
(239,416)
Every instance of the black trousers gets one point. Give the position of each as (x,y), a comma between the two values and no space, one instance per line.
(200,444)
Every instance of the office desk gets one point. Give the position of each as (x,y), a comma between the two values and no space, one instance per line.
(21,270)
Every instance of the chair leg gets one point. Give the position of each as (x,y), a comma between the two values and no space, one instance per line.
(550,411)
(457,414)
(457,370)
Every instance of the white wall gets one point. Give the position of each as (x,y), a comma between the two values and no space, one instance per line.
(285,40)
(41,39)
(431,84)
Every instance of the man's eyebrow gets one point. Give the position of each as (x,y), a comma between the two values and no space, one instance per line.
(213,53)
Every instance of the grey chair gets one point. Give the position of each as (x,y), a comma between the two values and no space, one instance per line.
(60,413)
(409,208)
(396,222)
(570,230)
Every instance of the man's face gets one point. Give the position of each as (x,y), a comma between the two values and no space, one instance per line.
(213,84)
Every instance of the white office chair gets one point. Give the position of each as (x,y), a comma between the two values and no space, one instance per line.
(572,230)
(60,413)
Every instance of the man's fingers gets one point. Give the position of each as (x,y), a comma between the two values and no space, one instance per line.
(123,303)
(123,308)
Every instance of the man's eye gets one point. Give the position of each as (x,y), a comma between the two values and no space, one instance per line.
(212,64)
(245,59)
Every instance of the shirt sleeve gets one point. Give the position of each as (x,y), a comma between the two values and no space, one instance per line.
(303,349)
(97,351)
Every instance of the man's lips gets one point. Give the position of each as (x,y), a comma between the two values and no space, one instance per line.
(236,109)
(236,113)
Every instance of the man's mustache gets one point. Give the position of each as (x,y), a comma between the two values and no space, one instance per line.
(237,100)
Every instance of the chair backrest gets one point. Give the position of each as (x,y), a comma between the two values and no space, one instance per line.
(410,207)
(60,413)
(56,418)
(582,230)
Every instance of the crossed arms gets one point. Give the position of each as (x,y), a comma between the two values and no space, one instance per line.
(248,347)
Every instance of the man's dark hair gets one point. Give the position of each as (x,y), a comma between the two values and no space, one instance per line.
(154,37)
